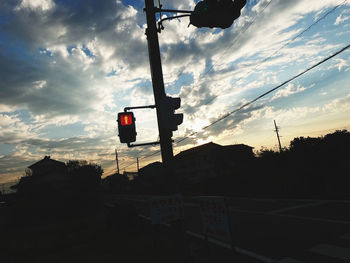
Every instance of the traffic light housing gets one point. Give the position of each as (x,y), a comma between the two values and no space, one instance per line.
(216,13)
(169,119)
(126,127)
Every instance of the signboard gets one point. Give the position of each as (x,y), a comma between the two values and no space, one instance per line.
(214,217)
(165,209)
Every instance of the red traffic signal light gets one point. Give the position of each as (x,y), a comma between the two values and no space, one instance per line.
(126,127)
(126,118)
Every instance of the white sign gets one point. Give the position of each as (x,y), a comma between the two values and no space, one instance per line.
(214,216)
(165,209)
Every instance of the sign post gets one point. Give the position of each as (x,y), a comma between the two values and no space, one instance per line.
(216,221)
(166,209)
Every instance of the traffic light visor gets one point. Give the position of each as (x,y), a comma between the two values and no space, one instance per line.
(126,119)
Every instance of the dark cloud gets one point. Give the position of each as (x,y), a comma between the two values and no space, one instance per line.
(83,20)
(68,84)
(12,165)
(196,96)
(63,90)
(67,81)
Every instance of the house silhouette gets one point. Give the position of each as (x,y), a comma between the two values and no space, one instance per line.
(210,160)
(202,162)
(48,166)
(43,174)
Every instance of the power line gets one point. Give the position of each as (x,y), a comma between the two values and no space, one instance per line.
(253,100)
(224,53)
(236,38)
(301,33)
(141,158)
(282,47)
(234,41)
(259,64)
(266,93)
(269,57)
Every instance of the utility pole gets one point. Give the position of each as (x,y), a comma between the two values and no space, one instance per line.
(278,136)
(165,134)
(138,167)
(157,80)
(116,158)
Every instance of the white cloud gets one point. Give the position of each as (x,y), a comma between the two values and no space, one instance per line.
(290,89)
(75,49)
(338,105)
(42,5)
(341,19)
(39,84)
(340,64)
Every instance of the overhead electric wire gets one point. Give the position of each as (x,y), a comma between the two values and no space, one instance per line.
(141,158)
(259,64)
(236,38)
(254,100)
(279,49)
(302,32)
(212,66)
(269,57)
(266,93)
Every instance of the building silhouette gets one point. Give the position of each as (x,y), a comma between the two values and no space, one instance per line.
(201,163)
(210,160)
(46,173)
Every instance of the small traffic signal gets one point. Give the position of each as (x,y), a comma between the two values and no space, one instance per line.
(216,13)
(126,127)
(169,119)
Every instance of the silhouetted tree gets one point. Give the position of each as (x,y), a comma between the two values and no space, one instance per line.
(266,153)
(85,175)
(305,145)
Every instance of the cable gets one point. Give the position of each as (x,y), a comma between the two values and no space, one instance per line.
(301,33)
(141,158)
(236,38)
(251,101)
(269,57)
(234,41)
(282,47)
(259,64)
(266,93)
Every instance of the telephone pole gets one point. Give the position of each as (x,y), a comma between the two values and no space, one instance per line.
(165,135)
(278,136)
(116,158)
(138,167)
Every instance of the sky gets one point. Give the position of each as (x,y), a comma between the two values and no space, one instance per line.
(68,67)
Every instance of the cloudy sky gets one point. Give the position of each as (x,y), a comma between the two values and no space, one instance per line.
(68,67)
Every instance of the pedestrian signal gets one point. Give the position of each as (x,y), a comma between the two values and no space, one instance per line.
(126,127)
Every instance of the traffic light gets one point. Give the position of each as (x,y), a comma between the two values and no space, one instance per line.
(169,119)
(126,127)
(216,13)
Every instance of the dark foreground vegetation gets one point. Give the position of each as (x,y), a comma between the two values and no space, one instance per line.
(65,217)
(69,222)
(308,168)
(83,234)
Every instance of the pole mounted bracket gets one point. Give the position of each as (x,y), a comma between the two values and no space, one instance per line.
(142,144)
(139,107)
(160,10)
